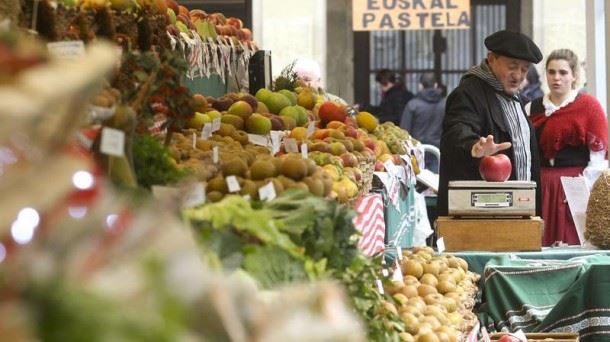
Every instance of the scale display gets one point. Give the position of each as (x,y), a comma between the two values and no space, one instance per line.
(491,199)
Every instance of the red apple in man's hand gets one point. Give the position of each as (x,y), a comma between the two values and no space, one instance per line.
(509,338)
(496,168)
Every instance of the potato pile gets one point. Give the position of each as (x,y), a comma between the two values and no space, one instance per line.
(435,297)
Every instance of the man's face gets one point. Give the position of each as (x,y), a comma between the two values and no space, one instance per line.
(509,71)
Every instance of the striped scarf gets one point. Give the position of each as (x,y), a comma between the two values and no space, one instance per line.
(517,122)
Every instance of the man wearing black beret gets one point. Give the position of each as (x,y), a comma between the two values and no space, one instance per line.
(484,116)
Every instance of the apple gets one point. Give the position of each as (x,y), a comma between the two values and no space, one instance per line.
(509,338)
(496,168)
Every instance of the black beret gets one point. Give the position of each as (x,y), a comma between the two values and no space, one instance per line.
(513,44)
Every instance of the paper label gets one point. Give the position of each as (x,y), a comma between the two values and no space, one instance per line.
(70,50)
(267,192)
(390,168)
(399,252)
(310,129)
(232,184)
(304,152)
(394,192)
(246,197)
(195,196)
(397,274)
(194,140)
(215,155)
(206,131)
(291,146)
(113,142)
(275,142)
(440,245)
(385,272)
(258,139)
(215,124)
(379,286)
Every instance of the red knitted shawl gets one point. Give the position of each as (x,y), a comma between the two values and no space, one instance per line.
(581,122)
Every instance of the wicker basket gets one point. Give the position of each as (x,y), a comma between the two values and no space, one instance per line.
(597,228)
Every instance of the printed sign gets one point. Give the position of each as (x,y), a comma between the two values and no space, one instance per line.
(71,50)
(389,15)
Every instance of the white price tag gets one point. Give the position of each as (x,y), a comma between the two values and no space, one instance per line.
(390,168)
(267,192)
(70,50)
(206,131)
(275,142)
(385,272)
(291,146)
(304,152)
(258,139)
(215,124)
(399,252)
(195,196)
(379,286)
(440,245)
(310,128)
(215,155)
(232,184)
(247,197)
(397,274)
(113,142)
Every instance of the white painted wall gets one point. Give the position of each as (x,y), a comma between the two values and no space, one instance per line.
(291,29)
(560,24)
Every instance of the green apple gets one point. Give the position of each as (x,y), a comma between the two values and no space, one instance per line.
(198,120)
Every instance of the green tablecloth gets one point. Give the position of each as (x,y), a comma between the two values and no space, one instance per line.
(478,260)
(538,295)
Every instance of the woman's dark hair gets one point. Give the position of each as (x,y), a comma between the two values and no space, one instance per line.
(385,76)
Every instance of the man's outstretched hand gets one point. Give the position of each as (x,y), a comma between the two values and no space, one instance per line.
(486,147)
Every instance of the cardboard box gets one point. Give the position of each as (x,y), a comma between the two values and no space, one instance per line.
(493,235)
(540,337)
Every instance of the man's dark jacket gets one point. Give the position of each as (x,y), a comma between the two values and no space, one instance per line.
(473,111)
(392,104)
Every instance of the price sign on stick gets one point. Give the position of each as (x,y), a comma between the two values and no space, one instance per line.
(267,192)
(113,142)
(206,131)
(232,184)
(215,155)
(440,245)
(304,152)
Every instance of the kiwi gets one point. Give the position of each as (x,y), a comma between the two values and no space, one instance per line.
(217,184)
(294,168)
(234,167)
(262,169)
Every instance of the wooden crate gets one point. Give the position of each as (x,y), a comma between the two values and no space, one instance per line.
(494,235)
(540,337)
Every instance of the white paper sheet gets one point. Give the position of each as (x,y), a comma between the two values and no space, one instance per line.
(577,195)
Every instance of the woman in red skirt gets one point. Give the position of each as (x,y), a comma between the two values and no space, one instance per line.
(572,132)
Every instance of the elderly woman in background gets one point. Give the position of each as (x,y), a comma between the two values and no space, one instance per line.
(572,132)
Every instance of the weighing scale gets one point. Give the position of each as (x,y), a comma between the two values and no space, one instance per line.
(492,199)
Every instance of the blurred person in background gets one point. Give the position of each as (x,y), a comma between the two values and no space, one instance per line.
(394,97)
(572,132)
(531,86)
(423,115)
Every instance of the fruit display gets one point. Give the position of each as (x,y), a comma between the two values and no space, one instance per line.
(435,296)
(138,25)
